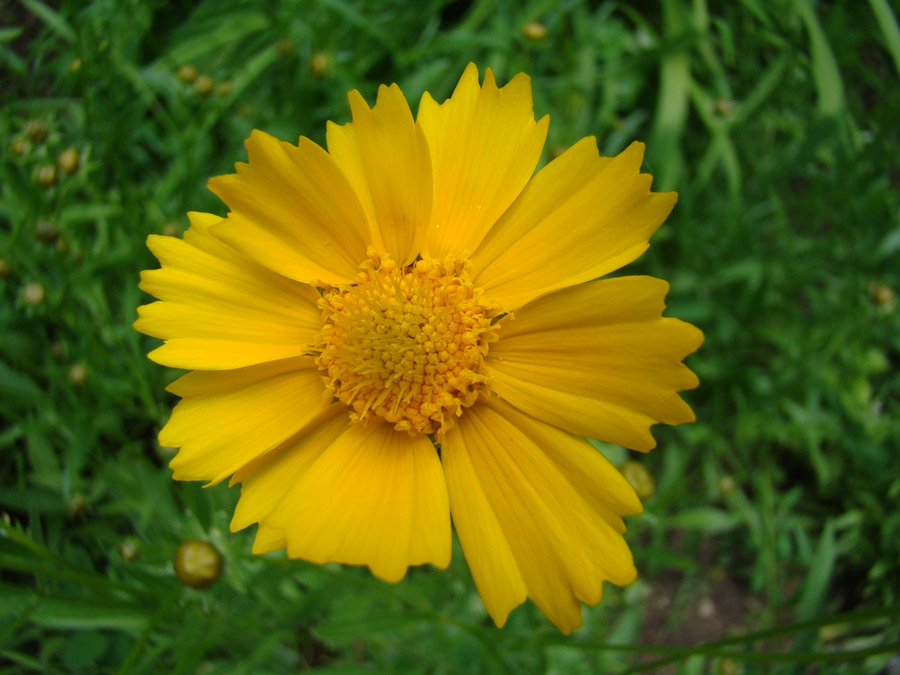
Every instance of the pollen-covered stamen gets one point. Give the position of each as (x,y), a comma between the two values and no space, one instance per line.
(406,343)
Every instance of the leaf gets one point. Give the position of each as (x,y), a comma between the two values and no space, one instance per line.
(52,18)
(705,519)
(88,614)
(348,627)
(889,29)
(17,389)
(829,85)
(815,588)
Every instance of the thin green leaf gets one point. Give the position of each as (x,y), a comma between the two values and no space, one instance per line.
(52,18)
(705,519)
(889,29)
(829,84)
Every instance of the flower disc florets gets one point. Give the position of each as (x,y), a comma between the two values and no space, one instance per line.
(406,343)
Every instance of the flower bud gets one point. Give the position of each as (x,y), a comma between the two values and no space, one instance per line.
(33,293)
(724,106)
(18,147)
(68,160)
(534,31)
(74,65)
(5,269)
(203,85)
(36,131)
(78,374)
(130,549)
(46,231)
(223,88)
(319,63)
(170,230)
(728,667)
(727,485)
(882,295)
(186,73)
(285,47)
(46,176)
(197,563)
(58,350)
(640,479)
(77,505)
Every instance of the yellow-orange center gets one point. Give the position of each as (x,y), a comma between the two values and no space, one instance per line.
(406,343)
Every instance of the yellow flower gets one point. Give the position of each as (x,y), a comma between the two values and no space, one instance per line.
(405,327)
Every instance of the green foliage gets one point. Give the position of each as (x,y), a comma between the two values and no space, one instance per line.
(777,511)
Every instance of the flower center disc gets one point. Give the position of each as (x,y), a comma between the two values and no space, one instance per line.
(406,343)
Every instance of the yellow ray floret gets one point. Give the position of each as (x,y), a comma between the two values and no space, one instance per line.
(408,326)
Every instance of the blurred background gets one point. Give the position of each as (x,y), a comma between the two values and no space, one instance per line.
(771,537)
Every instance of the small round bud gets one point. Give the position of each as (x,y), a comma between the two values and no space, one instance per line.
(882,295)
(33,293)
(727,485)
(640,479)
(5,269)
(68,160)
(77,505)
(36,131)
(58,350)
(223,88)
(18,147)
(46,176)
(285,47)
(534,31)
(78,374)
(203,85)
(130,549)
(46,231)
(319,64)
(830,632)
(197,563)
(186,73)
(61,246)
(724,106)
(170,230)
(74,65)
(728,667)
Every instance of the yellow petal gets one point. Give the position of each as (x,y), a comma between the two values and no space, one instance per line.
(204,383)
(385,157)
(268,479)
(220,310)
(491,560)
(343,146)
(206,354)
(557,505)
(582,216)
(246,414)
(598,360)
(374,497)
(484,146)
(293,211)
(267,539)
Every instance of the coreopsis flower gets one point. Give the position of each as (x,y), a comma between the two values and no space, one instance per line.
(406,326)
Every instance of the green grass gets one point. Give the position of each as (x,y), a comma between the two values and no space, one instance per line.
(773,539)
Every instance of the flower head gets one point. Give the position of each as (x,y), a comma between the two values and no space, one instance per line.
(406,326)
